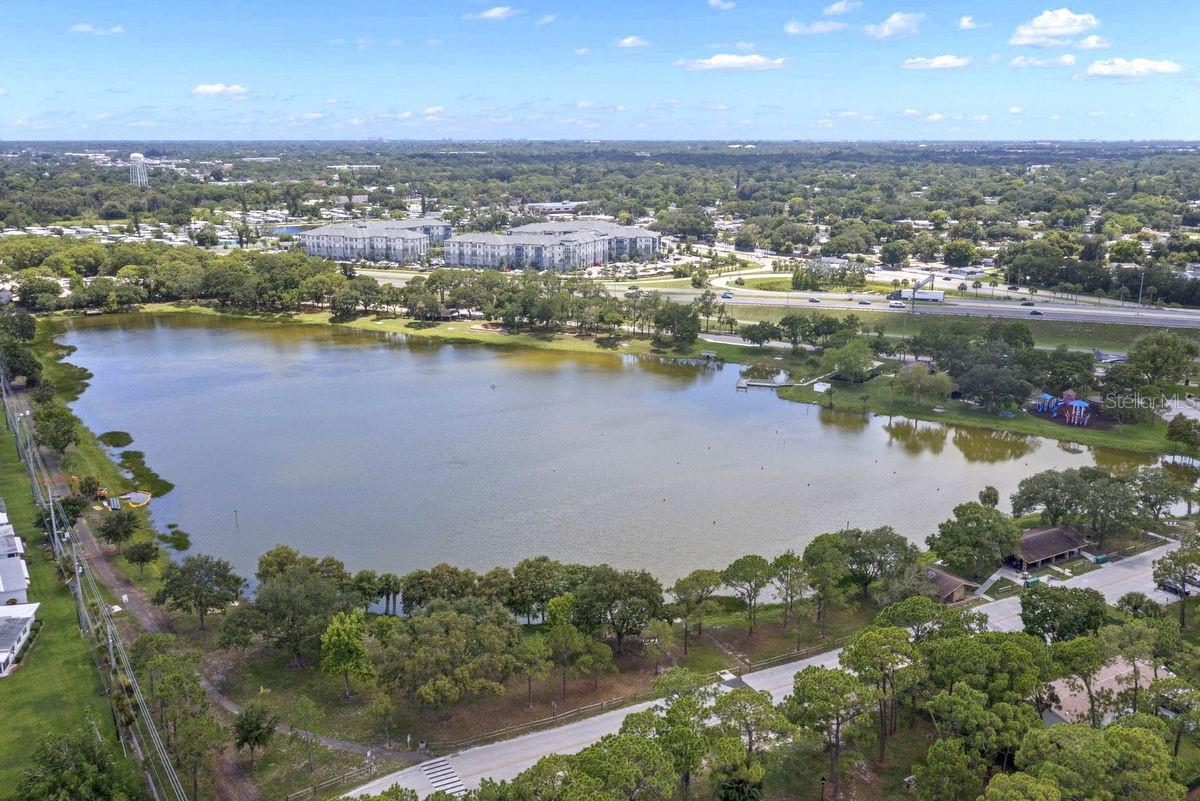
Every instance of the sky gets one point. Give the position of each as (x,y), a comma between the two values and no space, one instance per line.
(619,69)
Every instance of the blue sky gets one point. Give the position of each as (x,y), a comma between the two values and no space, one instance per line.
(565,69)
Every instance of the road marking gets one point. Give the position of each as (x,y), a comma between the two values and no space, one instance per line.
(443,777)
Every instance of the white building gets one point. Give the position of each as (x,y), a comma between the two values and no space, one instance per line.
(568,245)
(374,240)
(555,207)
(14,581)
(16,624)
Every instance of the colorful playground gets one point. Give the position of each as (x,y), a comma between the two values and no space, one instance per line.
(1067,409)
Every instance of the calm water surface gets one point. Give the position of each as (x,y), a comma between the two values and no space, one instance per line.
(394,454)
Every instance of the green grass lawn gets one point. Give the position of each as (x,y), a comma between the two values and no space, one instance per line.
(56,688)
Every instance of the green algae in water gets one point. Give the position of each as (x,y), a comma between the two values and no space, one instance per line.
(143,477)
(177,538)
(115,439)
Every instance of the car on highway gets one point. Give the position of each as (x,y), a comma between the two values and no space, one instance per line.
(864,302)
(1013,288)
(1027,303)
(1036,312)
(814,300)
(896,304)
(726,295)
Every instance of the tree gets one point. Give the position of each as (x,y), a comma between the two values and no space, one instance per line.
(796,328)
(679,724)
(1135,642)
(119,526)
(198,584)
(918,382)
(759,333)
(626,767)
(878,554)
(305,715)
(197,738)
(958,253)
(344,648)
(293,609)
(533,657)
(750,715)
(621,601)
(1119,761)
(926,618)
(254,728)
(828,702)
(950,773)
(55,427)
(1020,787)
(989,496)
(788,581)
(748,577)
(79,767)
(1178,703)
(825,565)
(1179,567)
(1156,490)
(141,554)
(994,386)
(691,593)
(1062,613)
(1079,660)
(1163,357)
(894,252)
(976,540)
(658,641)
(594,660)
(1139,605)
(878,656)
(851,362)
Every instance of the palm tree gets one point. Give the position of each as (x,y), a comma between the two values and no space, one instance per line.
(993,284)
(976,286)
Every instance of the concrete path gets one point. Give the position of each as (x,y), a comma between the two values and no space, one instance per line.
(506,759)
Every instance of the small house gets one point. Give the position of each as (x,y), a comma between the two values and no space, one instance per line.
(14,582)
(1044,546)
(950,588)
(16,625)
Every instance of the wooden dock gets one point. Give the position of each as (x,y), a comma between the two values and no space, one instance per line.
(744,384)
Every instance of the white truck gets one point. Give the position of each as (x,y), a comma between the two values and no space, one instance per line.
(933,295)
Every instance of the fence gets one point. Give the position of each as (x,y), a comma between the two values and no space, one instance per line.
(356,775)
(92,609)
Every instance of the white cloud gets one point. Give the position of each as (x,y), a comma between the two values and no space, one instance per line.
(968,24)
(934,117)
(586,104)
(745,47)
(1131,68)
(911,112)
(733,61)
(312,115)
(356,121)
(980,118)
(632,41)
(841,7)
(546,19)
(96,30)
(3,91)
(1015,110)
(219,90)
(1065,60)
(433,111)
(501,120)
(898,24)
(721,5)
(808,28)
(331,101)
(434,42)
(943,62)
(1093,42)
(581,51)
(1053,28)
(824,123)
(493,14)
(716,107)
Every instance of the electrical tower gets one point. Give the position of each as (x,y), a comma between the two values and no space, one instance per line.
(137,170)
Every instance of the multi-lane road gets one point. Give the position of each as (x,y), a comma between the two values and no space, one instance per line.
(507,758)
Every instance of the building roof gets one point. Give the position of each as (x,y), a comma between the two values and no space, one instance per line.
(945,581)
(396,228)
(1046,543)
(1073,704)
(534,239)
(575,226)
(13,620)
(13,575)
(10,543)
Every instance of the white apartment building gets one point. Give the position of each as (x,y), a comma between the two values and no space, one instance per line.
(16,624)
(568,245)
(375,240)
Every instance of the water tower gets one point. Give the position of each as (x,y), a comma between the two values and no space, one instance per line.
(137,170)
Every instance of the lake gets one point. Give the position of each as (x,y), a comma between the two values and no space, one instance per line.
(394,454)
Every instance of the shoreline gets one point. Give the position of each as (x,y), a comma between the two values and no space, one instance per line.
(1143,438)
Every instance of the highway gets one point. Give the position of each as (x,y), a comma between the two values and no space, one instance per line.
(507,758)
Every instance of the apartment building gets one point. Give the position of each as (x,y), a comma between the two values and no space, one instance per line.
(568,245)
(376,240)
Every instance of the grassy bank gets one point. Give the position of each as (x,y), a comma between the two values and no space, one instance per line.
(56,689)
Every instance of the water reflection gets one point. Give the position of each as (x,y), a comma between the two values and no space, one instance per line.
(915,437)
(990,447)
(1121,462)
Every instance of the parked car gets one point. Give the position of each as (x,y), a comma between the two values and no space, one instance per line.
(1174,588)
(1027,303)
(1037,312)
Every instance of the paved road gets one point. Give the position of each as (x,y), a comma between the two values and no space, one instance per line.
(504,760)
